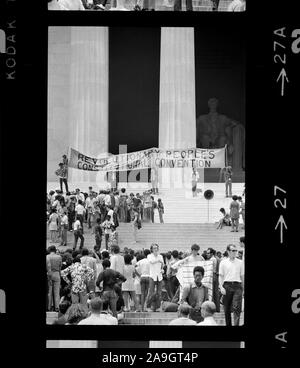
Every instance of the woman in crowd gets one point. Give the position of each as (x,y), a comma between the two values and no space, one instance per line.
(234,214)
(135,225)
(224,220)
(53,225)
(128,289)
(64,225)
(242,208)
(123,205)
(161,210)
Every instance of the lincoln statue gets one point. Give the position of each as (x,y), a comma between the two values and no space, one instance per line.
(215,130)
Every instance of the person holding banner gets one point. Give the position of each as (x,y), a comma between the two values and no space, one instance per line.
(195,294)
(62,173)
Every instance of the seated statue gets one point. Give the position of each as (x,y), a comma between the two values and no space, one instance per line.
(215,130)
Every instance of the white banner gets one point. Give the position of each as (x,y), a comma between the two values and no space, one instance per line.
(197,158)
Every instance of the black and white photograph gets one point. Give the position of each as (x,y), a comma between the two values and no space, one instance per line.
(149,5)
(128,140)
(146,176)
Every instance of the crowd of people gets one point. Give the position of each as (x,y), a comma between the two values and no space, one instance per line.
(102,212)
(138,5)
(90,286)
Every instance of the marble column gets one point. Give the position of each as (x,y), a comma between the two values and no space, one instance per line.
(88,123)
(59,53)
(177,111)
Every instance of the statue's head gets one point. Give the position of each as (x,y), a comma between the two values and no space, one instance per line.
(213,103)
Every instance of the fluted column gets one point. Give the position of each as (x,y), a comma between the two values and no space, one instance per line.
(88,124)
(177,111)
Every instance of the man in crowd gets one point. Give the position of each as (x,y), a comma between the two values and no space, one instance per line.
(216,262)
(156,279)
(54,263)
(106,315)
(111,280)
(88,260)
(78,233)
(195,294)
(79,196)
(62,173)
(117,260)
(142,269)
(231,281)
(208,310)
(183,317)
(77,276)
(94,318)
(237,5)
(173,281)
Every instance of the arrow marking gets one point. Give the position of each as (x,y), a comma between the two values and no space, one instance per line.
(282,223)
(283,76)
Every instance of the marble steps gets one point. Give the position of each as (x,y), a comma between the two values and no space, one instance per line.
(149,318)
(168,236)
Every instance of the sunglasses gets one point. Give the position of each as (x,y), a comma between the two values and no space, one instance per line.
(233,250)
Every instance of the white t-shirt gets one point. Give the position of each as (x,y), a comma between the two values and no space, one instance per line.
(208,321)
(109,318)
(231,270)
(182,321)
(143,267)
(64,220)
(80,209)
(94,319)
(155,268)
(72,4)
(76,225)
(117,263)
(107,200)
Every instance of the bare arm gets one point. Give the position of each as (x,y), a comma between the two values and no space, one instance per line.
(185,295)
